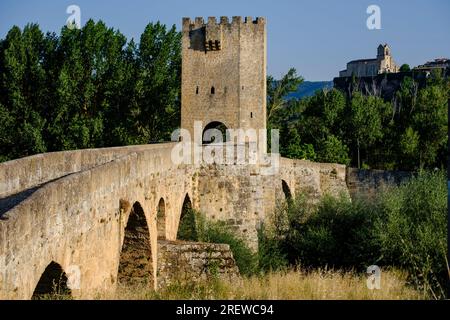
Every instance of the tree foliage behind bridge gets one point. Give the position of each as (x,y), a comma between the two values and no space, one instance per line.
(366,131)
(87,88)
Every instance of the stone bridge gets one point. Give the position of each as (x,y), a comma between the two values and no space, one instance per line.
(98,213)
(94,218)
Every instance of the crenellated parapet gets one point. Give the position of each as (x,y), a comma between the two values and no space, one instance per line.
(213,28)
(199,22)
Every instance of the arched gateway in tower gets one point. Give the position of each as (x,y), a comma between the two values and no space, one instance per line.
(224,73)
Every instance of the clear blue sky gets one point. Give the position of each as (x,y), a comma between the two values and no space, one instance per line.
(316,37)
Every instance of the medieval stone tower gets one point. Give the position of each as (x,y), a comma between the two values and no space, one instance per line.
(224,73)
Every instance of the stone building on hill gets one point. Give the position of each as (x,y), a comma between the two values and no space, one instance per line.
(436,64)
(383,63)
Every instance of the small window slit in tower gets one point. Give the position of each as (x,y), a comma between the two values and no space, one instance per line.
(213,90)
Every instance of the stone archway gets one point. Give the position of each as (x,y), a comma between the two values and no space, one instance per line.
(52,284)
(161,219)
(187,228)
(135,263)
(209,132)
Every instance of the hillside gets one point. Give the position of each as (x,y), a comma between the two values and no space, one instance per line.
(308,88)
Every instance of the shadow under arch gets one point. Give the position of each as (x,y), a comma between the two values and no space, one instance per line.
(52,284)
(187,227)
(286,191)
(135,262)
(208,136)
(161,219)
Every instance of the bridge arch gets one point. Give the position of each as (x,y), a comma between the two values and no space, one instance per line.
(187,223)
(135,262)
(161,219)
(53,282)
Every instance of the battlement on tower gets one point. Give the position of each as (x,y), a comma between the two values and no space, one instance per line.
(211,34)
(199,22)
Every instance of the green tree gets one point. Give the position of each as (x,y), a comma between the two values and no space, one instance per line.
(6,138)
(23,89)
(430,121)
(277,91)
(406,98)
(292,147)
(365,122)
(409,144)
(157,110)
(405,68)
(87,88)
(333,150)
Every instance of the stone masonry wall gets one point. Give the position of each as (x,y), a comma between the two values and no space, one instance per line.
(181,261)
(243,197)
(367,182)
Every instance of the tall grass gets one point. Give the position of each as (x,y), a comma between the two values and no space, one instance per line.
(290,285)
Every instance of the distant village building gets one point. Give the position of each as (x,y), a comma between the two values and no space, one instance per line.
(440,63)
(383,63)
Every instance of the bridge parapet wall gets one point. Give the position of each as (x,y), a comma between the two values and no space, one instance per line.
(313,179)
(21,174)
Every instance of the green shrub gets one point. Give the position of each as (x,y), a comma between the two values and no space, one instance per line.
(197,228)
(337,232)
(403,226)
(218,232)
(413,230)
(270,254)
